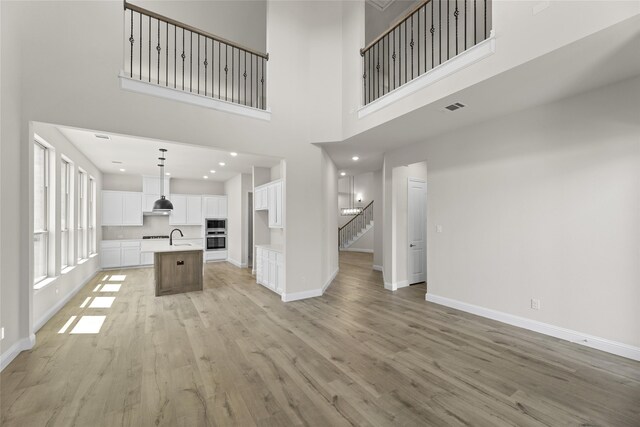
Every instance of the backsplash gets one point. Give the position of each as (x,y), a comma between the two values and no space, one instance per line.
(152,226)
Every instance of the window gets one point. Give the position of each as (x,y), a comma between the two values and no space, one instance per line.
(65,214)
(92,216)
(82,215)
(40,212)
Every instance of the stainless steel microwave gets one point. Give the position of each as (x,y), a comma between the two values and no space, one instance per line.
(216,226)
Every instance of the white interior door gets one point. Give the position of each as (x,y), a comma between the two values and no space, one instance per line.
(416,235)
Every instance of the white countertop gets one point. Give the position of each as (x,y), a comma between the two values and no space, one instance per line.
(276,248)
(163,246)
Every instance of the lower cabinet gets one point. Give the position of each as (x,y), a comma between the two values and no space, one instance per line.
(215,255)
(270,268)
(146,258)
(116,254)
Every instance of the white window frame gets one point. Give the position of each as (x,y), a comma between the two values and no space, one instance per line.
(93,249)
(66,224)
(81,223)
(44,232)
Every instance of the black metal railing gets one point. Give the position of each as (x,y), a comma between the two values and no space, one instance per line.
(348,232)
(428,35)
(169,53)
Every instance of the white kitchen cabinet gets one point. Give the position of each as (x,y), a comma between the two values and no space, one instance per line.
(261,198)
(130,254)
(187,210)
(275,205)
(178,215)
(270,268)
(110,255)
(214,207)
(194,210)
(269,197)
(121,208)
(132,208)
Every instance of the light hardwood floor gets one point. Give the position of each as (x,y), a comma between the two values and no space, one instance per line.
(234,354)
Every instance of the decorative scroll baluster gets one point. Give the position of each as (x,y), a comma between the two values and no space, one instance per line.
(394,59)
(245,78)
(190,61)
(205,63)
(411,45)
(183,56)
(455,14)
(131,41)
(158,48)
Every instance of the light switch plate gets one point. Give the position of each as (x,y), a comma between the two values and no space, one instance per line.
(535,304)
(438,229)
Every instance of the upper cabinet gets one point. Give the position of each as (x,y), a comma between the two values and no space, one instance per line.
(214,206)
(151,191)
(269,197)
(121,208)
(187,210)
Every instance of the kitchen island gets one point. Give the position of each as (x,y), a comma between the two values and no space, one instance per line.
(178,267)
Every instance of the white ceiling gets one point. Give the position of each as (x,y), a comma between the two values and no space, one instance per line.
(606,57)
(140,156)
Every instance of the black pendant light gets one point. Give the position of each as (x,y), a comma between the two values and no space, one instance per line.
(162,205)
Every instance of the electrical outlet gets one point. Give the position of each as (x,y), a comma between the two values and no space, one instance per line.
(1,333)
(535,304)
(438,229)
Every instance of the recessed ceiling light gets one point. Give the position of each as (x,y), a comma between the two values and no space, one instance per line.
(222,163)
(355,158)
(233,154)
(205,177)
(122,170)
(212,171)
(168,173)
(343,173)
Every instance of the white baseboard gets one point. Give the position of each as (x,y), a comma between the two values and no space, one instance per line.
(396,285)
(39,323)
(581,338)
(330,280)
(13,351)
(366,251)
(296,296)
(237,263)
(377,267)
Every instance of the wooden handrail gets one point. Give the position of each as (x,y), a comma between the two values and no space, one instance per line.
(393,26)
(356,216)
(195,30)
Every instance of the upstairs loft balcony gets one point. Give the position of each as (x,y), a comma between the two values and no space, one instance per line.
(427,37)
(181,60)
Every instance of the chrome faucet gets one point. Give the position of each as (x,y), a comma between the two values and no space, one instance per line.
(171,235)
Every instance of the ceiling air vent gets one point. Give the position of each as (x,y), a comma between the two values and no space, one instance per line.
(455,106)
(100,136)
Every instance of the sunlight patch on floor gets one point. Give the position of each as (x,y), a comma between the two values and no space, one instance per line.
(88,325)
(110,288)
(102,302)
(66,325)
(118,278)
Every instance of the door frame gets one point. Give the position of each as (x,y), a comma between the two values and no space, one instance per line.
(409,180)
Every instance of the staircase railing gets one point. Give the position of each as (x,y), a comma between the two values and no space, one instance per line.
(350,230)
(169,53)
(431,33)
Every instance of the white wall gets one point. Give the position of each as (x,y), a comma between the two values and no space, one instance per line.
(378,21)
(513,21)
(49,299)
(541,204)
(378,220)
(243,22)
(79,88)
(330,256)
(237,189)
